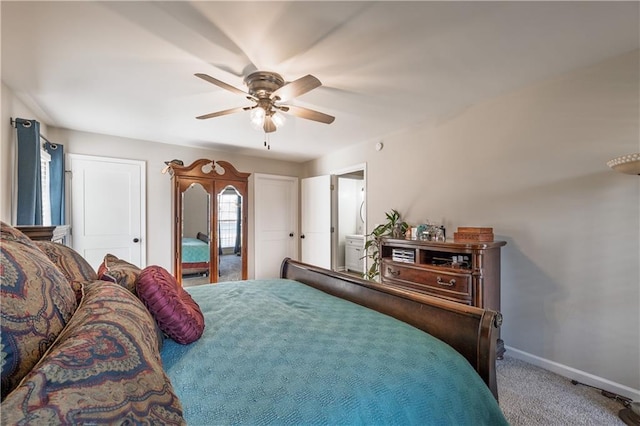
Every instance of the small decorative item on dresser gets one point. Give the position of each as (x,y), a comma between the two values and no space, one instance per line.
(403,255)
(473,234)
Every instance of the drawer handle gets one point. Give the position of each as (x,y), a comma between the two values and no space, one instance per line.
(392,272)
(451,282)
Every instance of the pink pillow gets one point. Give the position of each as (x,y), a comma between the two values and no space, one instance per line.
(176,313)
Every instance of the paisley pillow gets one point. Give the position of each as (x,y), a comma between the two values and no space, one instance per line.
(73,266)
(9,233)
(176,313)
(37,303)
(104,368)
(119,271)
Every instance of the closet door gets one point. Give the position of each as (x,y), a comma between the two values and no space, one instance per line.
(98,226)
(316,221)
(276,223)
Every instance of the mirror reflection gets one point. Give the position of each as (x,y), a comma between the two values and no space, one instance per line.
(195,234)
(229,234)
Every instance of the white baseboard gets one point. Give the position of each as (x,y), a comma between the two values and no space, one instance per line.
(574,374)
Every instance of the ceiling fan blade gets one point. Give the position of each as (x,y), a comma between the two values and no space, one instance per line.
(225,112)
(269,126)
(296,88)
(222,84)
(310,114)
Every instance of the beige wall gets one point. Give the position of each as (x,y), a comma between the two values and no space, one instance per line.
(531,164)
(158,185)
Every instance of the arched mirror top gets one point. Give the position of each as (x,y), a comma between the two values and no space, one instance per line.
(230,189)
(186,183)
(207,169)
(197,187)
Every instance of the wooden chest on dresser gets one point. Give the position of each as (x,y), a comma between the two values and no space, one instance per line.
(463,272)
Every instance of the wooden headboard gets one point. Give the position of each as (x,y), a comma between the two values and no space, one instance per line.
(469,330)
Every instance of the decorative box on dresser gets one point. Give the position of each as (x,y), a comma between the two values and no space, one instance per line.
(463,272)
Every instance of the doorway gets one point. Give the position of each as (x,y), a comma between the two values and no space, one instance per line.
(349,219)
(334,218)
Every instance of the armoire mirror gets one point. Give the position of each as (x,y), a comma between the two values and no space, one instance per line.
(209,200)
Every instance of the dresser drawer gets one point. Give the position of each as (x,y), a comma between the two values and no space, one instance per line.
(454,286)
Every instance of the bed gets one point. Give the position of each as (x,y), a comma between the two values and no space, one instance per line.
(320,347)
(195,255)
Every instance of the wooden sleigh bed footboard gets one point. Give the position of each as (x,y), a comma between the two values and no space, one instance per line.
(469,330)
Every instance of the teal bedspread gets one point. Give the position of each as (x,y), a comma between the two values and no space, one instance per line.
(194,250)
(280,352)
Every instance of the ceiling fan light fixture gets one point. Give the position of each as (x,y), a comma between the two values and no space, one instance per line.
(257,118)
(278,119)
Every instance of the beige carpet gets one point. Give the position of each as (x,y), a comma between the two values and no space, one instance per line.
(530,395)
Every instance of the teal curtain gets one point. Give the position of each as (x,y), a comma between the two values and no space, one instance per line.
(56,182)
(29,207)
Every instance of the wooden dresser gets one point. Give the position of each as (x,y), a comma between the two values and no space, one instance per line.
(56,233)
(462,272)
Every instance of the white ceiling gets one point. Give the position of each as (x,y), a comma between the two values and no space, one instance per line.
(126,68)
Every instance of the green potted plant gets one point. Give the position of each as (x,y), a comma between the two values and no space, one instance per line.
(393,227)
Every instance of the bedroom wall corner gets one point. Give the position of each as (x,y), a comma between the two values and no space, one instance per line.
(532,164)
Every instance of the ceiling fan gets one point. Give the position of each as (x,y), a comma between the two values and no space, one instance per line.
(267,90)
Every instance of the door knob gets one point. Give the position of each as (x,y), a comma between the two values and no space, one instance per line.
(302,236)
(291,234)
(135,240)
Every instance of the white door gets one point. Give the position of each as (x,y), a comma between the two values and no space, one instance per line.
(316,221)
(276,223)
(107,208)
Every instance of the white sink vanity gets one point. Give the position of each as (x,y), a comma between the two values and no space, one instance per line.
(354,252)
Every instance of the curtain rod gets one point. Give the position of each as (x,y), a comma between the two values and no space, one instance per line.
(13,124)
